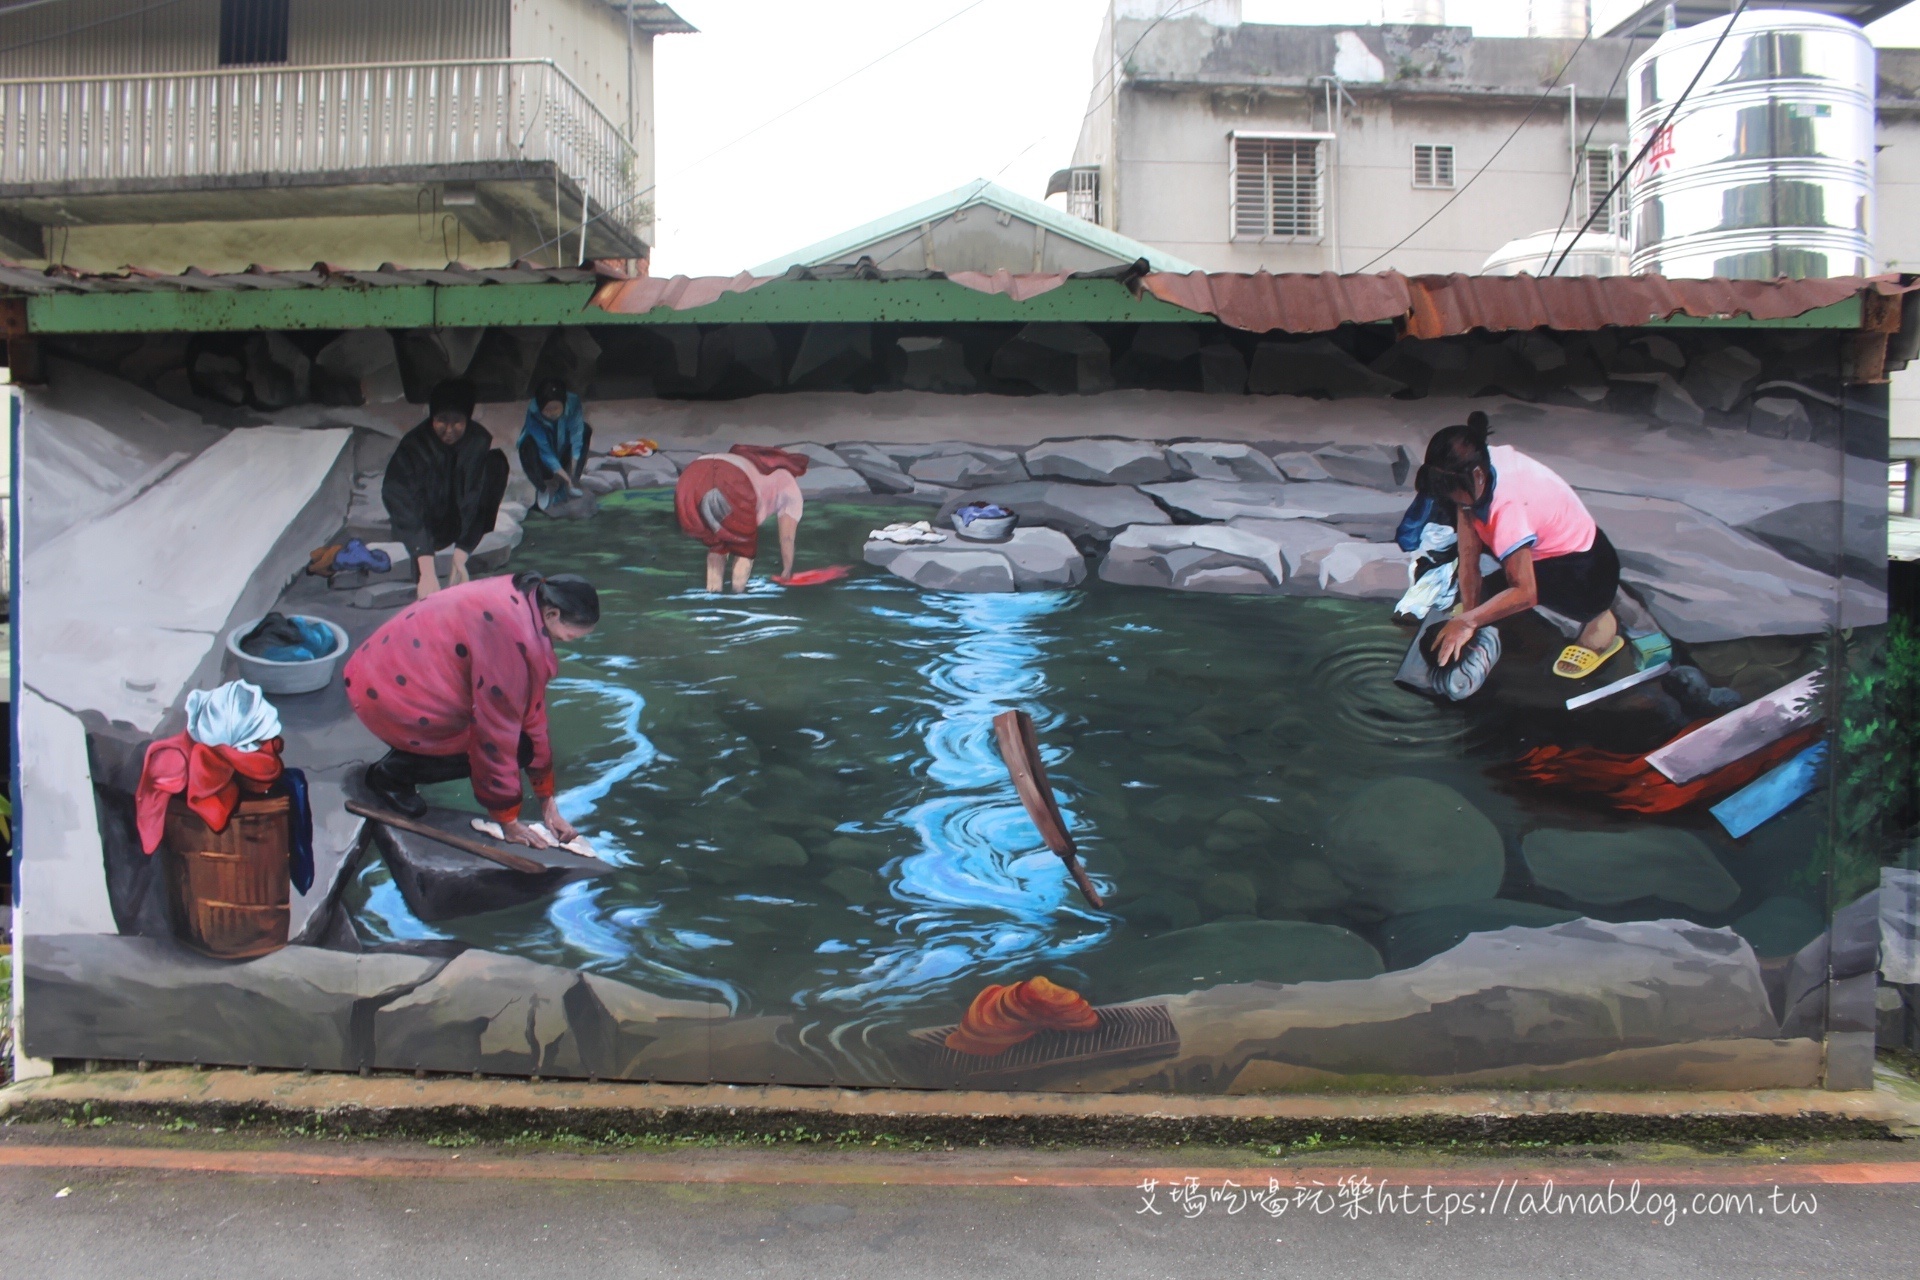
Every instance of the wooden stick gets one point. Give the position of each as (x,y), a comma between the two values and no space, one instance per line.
(1020,748)
(511,861)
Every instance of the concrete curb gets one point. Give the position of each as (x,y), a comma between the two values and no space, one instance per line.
(489,1109)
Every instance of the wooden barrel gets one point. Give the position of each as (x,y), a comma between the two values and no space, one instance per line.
(230,889)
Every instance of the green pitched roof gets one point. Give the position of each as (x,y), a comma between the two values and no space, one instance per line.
(979,192)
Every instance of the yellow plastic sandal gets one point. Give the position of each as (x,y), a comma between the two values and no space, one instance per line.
(1577,662)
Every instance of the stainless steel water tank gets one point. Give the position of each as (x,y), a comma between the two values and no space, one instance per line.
(1767,170)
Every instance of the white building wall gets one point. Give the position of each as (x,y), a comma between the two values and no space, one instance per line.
(324,32)
(588,40)
(1175,165)
(1897,240)
(184,36)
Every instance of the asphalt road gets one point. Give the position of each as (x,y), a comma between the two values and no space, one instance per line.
(163,1225)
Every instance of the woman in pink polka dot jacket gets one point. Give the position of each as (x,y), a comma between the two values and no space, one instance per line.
(456,686)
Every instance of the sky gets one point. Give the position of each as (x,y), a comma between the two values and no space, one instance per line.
(761,149)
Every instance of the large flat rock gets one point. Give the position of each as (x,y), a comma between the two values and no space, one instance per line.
(149,998)
(1099,461)
(1499,1001)
(504,1015)
(107,625)
(63,874)
(93,441)
(1031,560)
(1095,512)
(1223,460)
(1704,580)
(1206,557)
(1351,506)
(1233,951)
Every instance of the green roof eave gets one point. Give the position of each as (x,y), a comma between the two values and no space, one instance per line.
(781,301)
(476,306)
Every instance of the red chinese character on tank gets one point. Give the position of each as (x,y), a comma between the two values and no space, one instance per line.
(1660,154)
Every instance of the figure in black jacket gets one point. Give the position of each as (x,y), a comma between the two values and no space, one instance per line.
(444,485)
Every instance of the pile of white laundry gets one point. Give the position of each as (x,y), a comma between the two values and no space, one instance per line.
(917,534)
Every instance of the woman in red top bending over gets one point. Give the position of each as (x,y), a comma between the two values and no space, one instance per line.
(456,686)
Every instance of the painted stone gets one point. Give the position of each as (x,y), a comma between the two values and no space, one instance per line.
(654,471)
(1377,466)
(1099,461)
(1363,510)
(881,472)
(1492,1007)
(97,995)
(968,467)
(1623,866)
(1407,844)
(1194,558)
(1030,560)
(1297,465)
(828,484)
(1221,460)
(440,882)
(1302,543)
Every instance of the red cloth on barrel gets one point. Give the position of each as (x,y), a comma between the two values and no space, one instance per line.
(739,533)
(209,777)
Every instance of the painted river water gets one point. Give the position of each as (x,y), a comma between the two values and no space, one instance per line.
(801,791)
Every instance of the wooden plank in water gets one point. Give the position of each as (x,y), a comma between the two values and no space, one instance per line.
(1739,733)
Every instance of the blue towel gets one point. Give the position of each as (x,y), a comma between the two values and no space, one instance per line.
(552,439)
(358,555)
(1772,793)
(302,829)
(317,641)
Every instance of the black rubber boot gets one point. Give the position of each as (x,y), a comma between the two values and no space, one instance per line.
(397,796)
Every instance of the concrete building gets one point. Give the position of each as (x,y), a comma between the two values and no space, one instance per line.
(1417,148)
(224,133)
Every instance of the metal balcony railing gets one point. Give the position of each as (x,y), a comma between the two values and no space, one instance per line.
(328,119)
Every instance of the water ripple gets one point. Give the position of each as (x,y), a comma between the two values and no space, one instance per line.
(983,895)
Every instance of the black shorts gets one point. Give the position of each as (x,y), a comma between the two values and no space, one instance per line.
(1580,586)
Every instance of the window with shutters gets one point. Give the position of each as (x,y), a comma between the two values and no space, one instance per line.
(1432,165)
(253,32)
(1279,187)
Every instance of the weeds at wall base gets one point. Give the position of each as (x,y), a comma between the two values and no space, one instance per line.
(598,1129)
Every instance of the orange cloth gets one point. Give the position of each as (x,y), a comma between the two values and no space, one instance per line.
(1001,1017)
(1630,783)
(210,777)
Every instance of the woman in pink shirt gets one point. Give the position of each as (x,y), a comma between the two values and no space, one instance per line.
(1530,520)
(456,686)
(722,499)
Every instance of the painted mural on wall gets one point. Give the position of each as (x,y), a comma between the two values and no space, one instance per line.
(1465,721)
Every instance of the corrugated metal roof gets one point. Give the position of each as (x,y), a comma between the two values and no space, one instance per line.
(59,280)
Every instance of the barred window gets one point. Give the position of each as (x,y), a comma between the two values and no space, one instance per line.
(1602,169)
(1432,165)
(1279,187)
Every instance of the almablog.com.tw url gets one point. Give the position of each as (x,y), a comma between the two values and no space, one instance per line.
(1356,1197)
